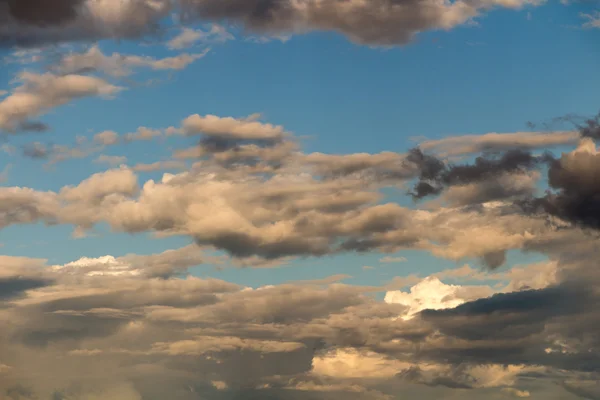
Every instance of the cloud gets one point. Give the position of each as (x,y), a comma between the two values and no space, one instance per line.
(39,93)
(432,294)
(592,20)
(473,144)
(36,12)
(106,138)
(388,259)
(160,166)
(142,133)
(573,177)
(119,65)
(78,21)
(517,393)
(231,128)
(188,37)
(100,185)
(4,173)
(504,187)
(111,160)
(381,166)
(395,24)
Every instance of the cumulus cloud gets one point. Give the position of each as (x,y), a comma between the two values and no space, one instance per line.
(106,138)
(160,166)
(142,133)
(485,169)
(231,128)
(39,93)
(432,294)
(110,160)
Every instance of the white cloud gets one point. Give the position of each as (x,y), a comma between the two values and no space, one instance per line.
(142,133)
(107,137)
(188,37)
(592,20)
(430,293)
(388,259)
(160,166)
(106,265)
(39,93)
(228,127)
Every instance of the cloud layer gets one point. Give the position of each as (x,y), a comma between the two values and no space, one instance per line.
(373,22)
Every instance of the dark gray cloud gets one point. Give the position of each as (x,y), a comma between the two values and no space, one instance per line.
(576,198)
(40,12)
(573,179)
(36,151)
(16,286)
(436,176)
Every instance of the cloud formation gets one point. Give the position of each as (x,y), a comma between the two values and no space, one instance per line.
(38,93)
(130,314)
(390,22)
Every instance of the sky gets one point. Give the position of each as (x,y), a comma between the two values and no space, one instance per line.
(299,199)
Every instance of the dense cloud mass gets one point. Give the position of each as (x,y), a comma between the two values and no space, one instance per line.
(127,334)
(376,22)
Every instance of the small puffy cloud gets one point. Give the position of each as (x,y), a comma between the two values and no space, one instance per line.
(351,363)
(517,393)
(106,265)
(219,385)
(39,93)
(432,294)
(231,128)
(389,23)
(142,133)
(188,37)
(107,138)
(395,24)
